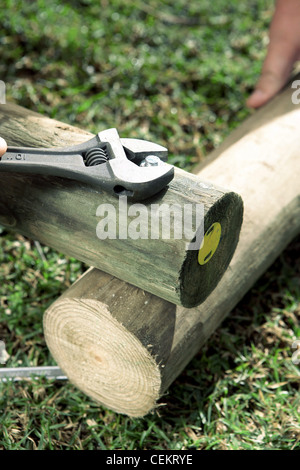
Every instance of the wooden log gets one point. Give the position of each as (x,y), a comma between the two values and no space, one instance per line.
(136,244)
(124,347)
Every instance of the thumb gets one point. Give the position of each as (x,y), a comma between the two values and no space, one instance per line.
(3,146)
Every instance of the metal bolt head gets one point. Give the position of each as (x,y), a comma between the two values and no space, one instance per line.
(151,160)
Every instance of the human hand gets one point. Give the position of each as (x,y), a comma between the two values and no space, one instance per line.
(3,146)
(283,52)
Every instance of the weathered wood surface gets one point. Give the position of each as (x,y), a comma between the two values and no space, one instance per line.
(123,346)
(65,215)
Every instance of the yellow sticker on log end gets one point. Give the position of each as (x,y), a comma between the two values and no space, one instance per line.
(210,243)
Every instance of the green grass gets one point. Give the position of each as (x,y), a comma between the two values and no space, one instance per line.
(176,73)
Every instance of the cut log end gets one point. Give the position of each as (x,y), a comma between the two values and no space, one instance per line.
(203,269)
(101,357)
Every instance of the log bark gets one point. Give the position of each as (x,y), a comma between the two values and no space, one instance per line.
(135,244)
(124,347)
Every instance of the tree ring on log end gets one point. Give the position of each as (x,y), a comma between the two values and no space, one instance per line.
(101,357)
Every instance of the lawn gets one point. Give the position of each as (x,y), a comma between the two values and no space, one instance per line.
(177,73)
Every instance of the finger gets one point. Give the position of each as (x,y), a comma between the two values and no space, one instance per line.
(276,71)
(283,51)
(3,146)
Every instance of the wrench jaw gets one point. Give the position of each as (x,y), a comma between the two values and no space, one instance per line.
(104,162)
(129,178)
(140,183)
(137,150)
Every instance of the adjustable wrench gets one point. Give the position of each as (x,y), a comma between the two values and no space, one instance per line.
(123,167)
